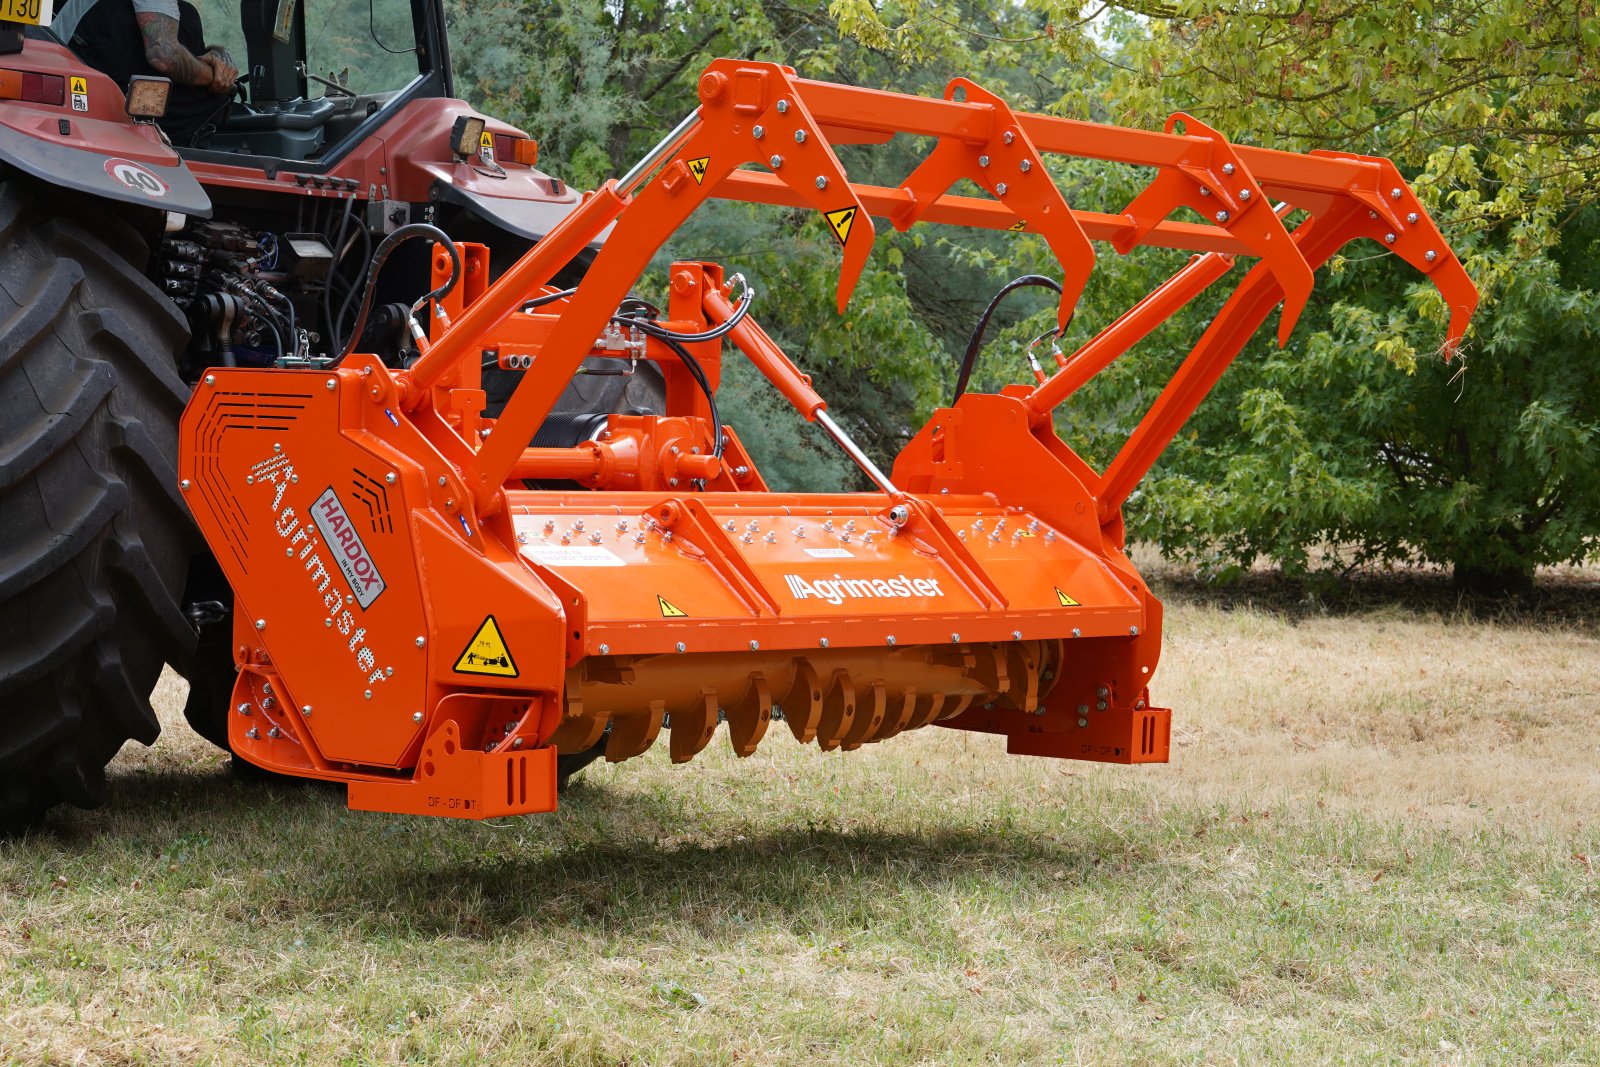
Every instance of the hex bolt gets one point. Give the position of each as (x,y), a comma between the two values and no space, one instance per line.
(253,734)
(184,485)
(261,624)
(758,133)
(681,647)
(243,709)
(516,742)
(595,538)
(605,650)
(799,137)
(1244,194)
(776,162)
(755,646)
(1227,168)
(1412,218)
(1016,635)
(1394,194)
(389,478)
(983,161)
(1205,191)
(416,716)
(1388,238)
(955,639)
(1102,692)
(783,107)
(274,732)
(1138,705)
(1000,189)
(366,694)
(1133,631)
(729,525)
(823,642)
(211,379)
(1025,166)
(421,641)
(1083,709)
(1100,705)
(1222,216)
(305,710)
(1008,137)
(1430,255)
(332,384)
(890,639)
(822,182)
(1076,632)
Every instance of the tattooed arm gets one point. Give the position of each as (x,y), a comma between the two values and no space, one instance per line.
(166,55)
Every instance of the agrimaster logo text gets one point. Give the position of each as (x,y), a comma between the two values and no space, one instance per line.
(837,590)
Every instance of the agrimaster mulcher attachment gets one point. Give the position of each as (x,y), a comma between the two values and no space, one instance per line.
(430,608)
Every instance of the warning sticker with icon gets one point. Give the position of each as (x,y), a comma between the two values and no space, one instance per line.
(487,653)
(840,222)
(80,94)
(1066,601)
(697,169)
(670,610)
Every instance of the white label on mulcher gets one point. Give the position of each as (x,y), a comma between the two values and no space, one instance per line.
(348,550)
(573,556)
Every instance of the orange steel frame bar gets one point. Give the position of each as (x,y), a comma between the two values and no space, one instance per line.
(1346,197)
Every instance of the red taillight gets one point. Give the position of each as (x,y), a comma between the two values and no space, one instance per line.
(34,88)
(512,149)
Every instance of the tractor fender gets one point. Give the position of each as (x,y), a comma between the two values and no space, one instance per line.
(93,146)
(111,177)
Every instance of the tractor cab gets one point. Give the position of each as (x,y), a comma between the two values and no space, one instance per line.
(315,78)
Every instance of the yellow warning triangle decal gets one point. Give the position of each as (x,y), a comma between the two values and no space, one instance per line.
(1065,601)
(670,610)
(697,169)
(79,85)
(840,222)
(1017,227)
(487,653)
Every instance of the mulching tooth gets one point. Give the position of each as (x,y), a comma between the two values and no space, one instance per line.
(748,719)
(693,726)
(632,734)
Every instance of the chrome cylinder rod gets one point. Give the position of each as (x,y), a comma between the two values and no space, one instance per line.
(853,450)
(669,144)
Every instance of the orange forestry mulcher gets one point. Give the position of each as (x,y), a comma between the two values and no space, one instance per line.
(431,608)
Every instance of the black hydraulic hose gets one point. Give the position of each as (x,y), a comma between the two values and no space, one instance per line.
(333,268)
(975,342)
(385,247)
(699,374)
(351,288)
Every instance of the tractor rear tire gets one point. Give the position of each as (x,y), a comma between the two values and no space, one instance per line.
(95,540)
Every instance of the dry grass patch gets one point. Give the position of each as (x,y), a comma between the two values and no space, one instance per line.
(1373,845)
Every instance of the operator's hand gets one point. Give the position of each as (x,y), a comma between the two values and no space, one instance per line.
(223,71)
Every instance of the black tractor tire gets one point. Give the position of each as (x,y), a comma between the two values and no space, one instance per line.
(95,540)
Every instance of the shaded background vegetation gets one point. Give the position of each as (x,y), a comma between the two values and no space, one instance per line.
(1353,445)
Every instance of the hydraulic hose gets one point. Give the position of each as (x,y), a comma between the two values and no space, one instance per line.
(385,247)
(975,342)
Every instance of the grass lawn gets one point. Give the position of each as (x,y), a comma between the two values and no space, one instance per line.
(1376,842)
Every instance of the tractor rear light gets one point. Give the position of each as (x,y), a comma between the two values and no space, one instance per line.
(33,88)
(147,97)
(466,135)
(509,148)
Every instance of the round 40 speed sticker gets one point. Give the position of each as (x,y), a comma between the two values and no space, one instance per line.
(138,177)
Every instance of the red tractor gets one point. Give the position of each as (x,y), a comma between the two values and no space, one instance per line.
(128,265)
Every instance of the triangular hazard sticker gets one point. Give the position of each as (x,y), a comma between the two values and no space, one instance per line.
(1017,227)
(487,653)
(79,85)
(697,169)
(840,222)
(670,610)
(1065,601)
